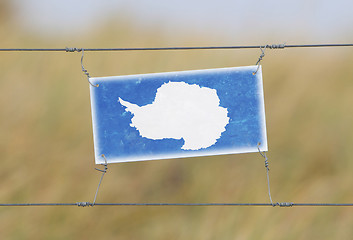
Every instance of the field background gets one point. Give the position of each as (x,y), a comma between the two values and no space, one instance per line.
(46,144)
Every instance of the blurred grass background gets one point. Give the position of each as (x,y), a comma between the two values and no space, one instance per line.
(46,145)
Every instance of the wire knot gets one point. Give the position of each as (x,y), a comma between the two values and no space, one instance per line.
(261,56)
(283,204)
(263,154)
(84,204)
(276,46)
(105,165)
(67,49)
(267,164)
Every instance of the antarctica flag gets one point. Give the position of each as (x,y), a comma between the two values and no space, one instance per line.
(178,114)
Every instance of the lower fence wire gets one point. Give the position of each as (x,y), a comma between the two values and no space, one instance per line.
(87,204)
(94,203)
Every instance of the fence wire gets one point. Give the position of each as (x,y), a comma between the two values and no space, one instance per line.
(268,46)
(89,204)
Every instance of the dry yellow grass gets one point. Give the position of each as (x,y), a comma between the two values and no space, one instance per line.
(47,149)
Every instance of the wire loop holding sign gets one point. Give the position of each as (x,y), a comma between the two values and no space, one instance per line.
(103,172)
(260,58)
(263,154)
(83,69)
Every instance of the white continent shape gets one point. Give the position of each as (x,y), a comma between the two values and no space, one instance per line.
(181,111)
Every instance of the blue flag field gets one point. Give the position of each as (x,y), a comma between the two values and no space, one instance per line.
(178,114)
